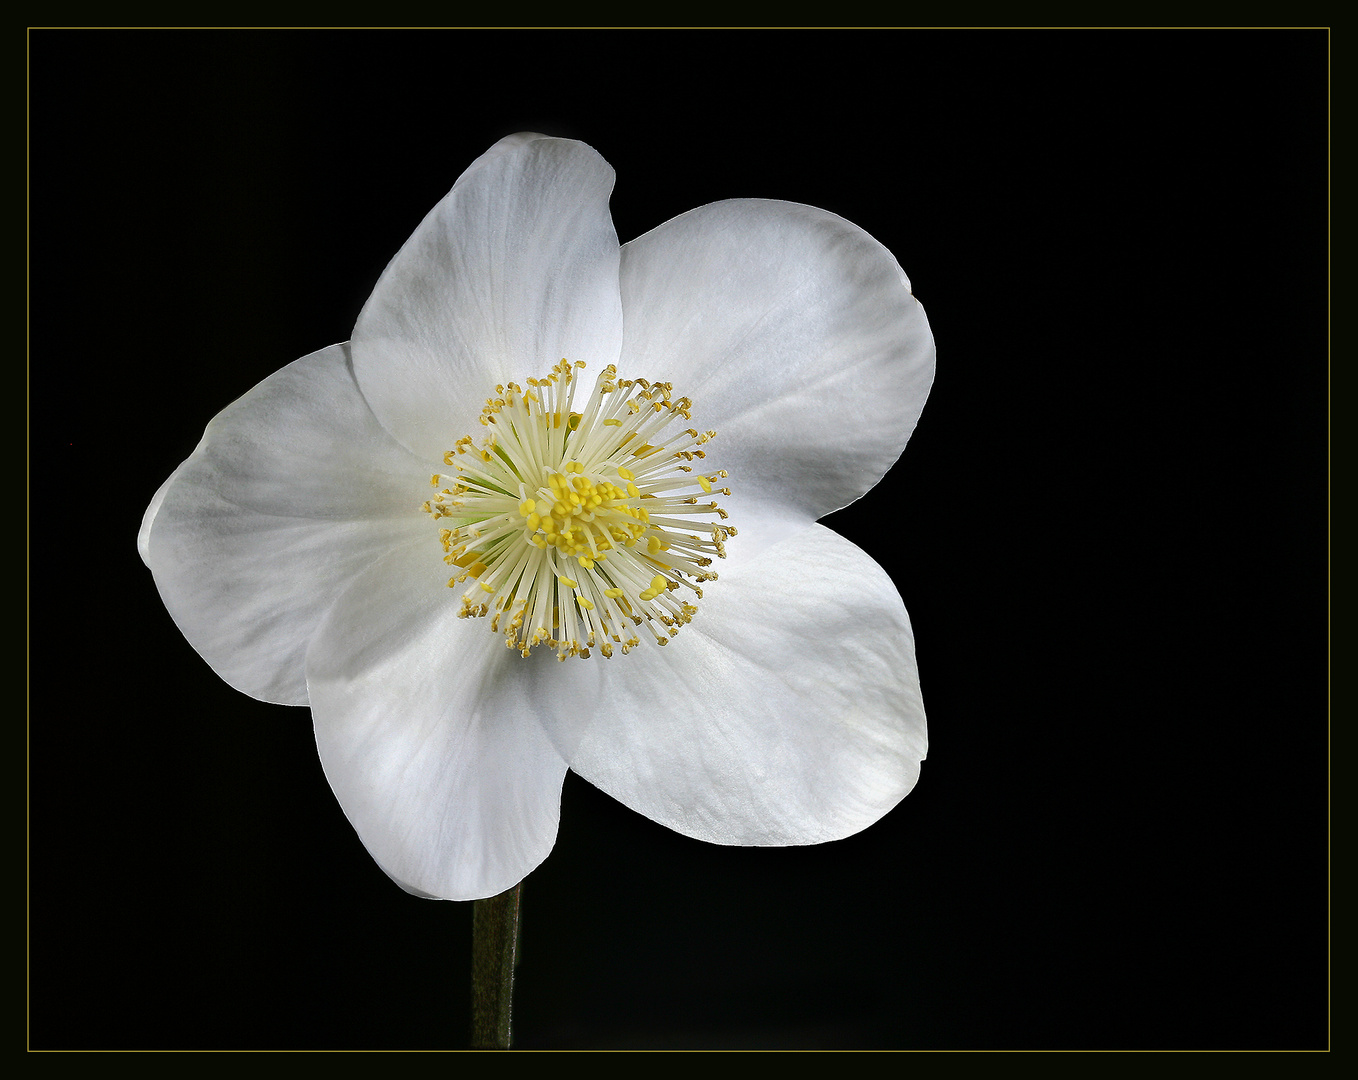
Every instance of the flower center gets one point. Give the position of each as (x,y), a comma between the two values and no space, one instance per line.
(573,525)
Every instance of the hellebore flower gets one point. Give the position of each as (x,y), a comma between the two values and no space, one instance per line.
(763,353)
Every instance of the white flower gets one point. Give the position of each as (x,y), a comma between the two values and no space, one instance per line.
(293,551)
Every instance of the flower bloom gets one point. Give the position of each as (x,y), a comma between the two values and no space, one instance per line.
(554,506)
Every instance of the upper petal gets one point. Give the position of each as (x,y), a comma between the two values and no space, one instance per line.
(796,336)
(787,712)
(433,735)
(293,490)
(514,270)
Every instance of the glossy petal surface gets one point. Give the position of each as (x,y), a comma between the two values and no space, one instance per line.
(515,269)
(787,712)
(433,735)
(294,490)
(797,337)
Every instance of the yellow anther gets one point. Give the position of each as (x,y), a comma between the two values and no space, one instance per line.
(564,514)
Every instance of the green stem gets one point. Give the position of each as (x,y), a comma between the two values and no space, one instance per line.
(495,954)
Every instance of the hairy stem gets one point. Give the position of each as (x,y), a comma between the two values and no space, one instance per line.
(495,953)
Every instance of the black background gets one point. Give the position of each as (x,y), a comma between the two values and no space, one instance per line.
(1111,541)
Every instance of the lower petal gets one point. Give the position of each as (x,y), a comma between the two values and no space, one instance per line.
(438,741)
(787,712)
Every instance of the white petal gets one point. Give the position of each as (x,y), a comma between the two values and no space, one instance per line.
(787,712)
(514,270)
(432,733)
(796,336)
(294,489)
(153,508)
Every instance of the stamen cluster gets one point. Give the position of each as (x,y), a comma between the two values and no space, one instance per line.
(574,525)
